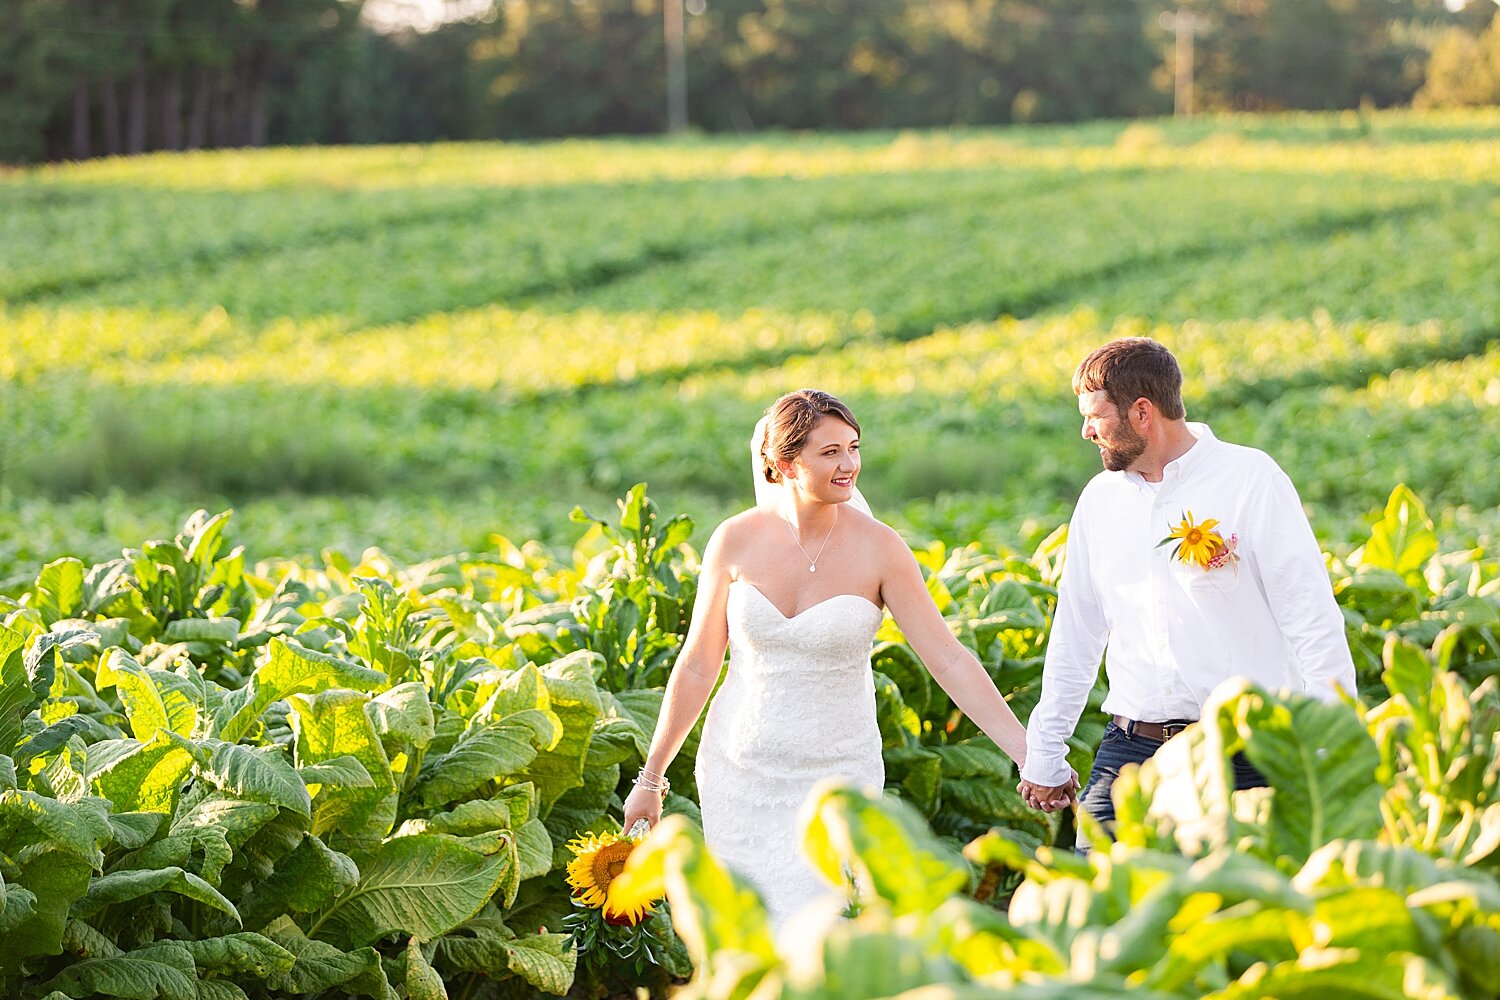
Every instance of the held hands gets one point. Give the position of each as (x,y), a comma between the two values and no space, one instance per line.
(1050,798)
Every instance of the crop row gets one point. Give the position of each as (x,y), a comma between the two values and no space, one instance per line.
(983,408)
(1449,146)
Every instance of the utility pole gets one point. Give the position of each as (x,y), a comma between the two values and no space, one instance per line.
(671,11)
(1183,24)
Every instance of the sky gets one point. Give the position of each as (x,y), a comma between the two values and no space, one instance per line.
(424,15)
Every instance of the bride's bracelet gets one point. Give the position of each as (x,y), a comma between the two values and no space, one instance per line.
(652,782)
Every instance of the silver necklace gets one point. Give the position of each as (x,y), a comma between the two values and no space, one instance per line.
(812,561)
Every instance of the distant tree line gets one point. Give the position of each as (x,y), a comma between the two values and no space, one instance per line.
(83,78)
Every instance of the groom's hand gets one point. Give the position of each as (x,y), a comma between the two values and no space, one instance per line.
(1049,798)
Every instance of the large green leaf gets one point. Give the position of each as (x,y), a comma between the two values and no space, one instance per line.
(1348,974)
(533,849)
(17,696)
(82,939)
(59,590)
(546,961)
(205,849)
(981,939)
(1098,988)
(1371,918)
(20,906)
(582,807)
(79,828)
(507,809)
(163,970)
(494,752)
(1174,926)
(885,843)
(1320,762)
(614,741)
(340,772)
(976,758)
(146,777)
(40,895)
(52,738)
(1187,785)
(308,879)
(1403,540)
(153,699)
(237,819)
(918,772)
(517,691)
(1265,933)
(403,715)
(1060,910)
(850,963)
(288,670)
(120,887)
(641,707)
(258,774)
(334,724)
(202,630)
(574,698)
(320,966)
(424,885)
(240,954)
(421,980)
(1459,902)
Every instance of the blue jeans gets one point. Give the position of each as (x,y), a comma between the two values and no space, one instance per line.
(1118,749)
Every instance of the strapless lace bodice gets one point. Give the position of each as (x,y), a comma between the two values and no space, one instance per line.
(797,706)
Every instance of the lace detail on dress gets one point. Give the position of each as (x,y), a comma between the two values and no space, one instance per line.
(797,706)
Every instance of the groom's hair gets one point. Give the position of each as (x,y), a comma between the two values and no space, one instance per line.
(1130,368)
(792,419)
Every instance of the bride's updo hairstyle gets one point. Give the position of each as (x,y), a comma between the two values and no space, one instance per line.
(789,422)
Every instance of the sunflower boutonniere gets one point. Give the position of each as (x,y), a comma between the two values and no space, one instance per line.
(1201,545)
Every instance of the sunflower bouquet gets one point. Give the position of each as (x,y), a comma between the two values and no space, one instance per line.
(610,928)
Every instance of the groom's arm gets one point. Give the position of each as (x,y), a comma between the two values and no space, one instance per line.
(1289,564)
(1079,634)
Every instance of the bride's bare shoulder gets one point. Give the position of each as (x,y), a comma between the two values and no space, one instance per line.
(740,529)
(870,528)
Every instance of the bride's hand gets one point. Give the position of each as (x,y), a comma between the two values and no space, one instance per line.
(642,803)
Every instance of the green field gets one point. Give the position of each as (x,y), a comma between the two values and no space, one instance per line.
(301,768)
(416,347)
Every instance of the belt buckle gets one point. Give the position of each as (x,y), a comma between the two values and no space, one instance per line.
(1171,729)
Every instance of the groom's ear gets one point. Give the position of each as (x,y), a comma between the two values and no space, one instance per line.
(1142,412)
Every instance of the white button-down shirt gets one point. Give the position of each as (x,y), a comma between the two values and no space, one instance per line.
(1170,631)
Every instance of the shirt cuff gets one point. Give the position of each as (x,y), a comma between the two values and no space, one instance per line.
(1049,771)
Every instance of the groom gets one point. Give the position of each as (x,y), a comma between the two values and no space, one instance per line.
(1189,561)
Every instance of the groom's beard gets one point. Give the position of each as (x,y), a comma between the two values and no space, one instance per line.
(1127,445)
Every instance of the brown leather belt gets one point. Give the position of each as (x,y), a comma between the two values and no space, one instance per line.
(1159,731)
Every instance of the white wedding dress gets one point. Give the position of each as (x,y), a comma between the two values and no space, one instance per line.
(797,706)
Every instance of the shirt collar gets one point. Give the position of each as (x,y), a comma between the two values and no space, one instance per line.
(1183,466)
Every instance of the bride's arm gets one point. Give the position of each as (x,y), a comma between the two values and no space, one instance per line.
(692,679)
(954,667)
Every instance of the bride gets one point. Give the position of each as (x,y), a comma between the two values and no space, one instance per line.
(795,588)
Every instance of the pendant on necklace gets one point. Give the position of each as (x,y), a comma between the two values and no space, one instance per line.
(813,568)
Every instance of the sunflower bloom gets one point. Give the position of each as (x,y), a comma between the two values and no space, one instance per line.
(597,861)
(1196,543)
